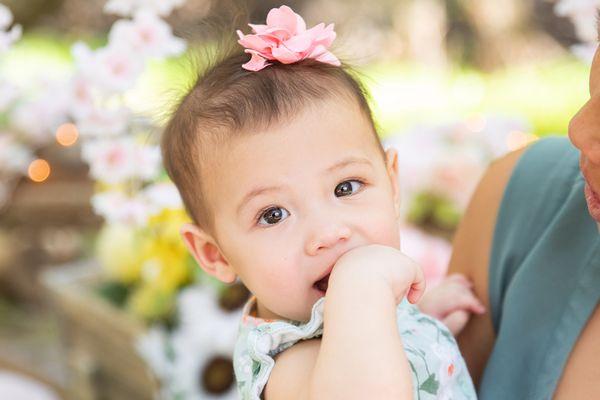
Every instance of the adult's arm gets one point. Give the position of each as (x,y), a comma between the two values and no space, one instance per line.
(471,256)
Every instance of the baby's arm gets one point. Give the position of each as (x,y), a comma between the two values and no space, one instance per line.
(360,332)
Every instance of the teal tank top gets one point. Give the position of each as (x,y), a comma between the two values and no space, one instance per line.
(544,273)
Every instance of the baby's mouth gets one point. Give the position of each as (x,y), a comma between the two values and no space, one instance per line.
(322,283)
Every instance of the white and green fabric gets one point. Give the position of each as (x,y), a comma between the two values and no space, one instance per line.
(438,369)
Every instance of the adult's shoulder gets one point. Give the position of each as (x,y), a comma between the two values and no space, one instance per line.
(473,237)
(471,255)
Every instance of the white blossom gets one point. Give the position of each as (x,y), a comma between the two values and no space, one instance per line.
(6,17)
(163,195)
(14,157)
(568,8)
(114,68)
(583,15)
(585,52)
(147,35)
(115,161)
(8,36)
(97,122)
(205,331)
(38,117)
(8,94)
(129,7)
(117,208)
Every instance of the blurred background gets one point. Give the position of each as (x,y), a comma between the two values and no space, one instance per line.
(98,298)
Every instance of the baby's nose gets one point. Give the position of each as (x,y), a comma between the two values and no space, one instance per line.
(327,236)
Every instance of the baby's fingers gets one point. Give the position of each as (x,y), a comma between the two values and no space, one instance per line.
(460,279)
(417,288)
(466,300)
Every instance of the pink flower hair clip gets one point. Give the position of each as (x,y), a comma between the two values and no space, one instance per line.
(285,39)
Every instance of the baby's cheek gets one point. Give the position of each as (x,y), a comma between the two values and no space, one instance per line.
(385,230)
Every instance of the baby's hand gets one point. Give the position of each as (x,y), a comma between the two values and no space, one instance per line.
(404,276)
(452,302)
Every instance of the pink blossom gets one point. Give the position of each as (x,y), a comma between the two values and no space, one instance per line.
(114,68)
(147,35)
(115,161)
(432,253)
(285,39)
(37,117)
(102,122)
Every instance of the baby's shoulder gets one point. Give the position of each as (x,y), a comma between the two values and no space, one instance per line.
(260,343)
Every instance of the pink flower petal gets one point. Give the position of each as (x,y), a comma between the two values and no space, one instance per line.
(299,43)
(256,63)
(321,54)
(322,35)
(254,42)
(285,56)
(317,51)
(329,58)
(275,36)
(258,28)
(280,33)
(300,24)
(284,17)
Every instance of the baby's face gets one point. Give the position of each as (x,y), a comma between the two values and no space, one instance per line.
(288,202)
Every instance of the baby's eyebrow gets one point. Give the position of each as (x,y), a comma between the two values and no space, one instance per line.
(255,192)
(347,161)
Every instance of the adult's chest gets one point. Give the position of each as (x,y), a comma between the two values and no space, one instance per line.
(581,376)
(548,328)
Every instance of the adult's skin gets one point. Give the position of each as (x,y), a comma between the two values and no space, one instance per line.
(473,242)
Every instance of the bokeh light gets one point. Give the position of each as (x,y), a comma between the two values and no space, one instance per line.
(518,139)
(67,134)
(39,170)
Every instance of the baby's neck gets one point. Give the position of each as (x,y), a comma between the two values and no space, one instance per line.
(262,312)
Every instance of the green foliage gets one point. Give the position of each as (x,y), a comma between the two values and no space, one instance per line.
(114,292)
(545,95)
(433,211)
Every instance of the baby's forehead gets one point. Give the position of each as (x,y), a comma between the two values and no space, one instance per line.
(309,144)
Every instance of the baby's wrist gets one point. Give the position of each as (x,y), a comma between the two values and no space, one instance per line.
(360,281)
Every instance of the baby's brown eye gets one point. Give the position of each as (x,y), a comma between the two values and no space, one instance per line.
(272,216)
(347,188)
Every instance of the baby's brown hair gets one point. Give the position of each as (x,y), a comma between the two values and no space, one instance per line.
(227,100)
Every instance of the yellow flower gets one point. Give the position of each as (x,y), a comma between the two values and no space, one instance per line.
(151,302)
(117,249)
(166,264)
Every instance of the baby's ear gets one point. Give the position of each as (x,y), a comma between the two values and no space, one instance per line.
(207,253)
(391,164)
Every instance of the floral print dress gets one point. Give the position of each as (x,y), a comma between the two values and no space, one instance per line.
(438,369)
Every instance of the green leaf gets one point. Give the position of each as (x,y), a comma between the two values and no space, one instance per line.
(115,292)
(431,385)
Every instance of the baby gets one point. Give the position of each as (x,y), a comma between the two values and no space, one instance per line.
(279,165)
